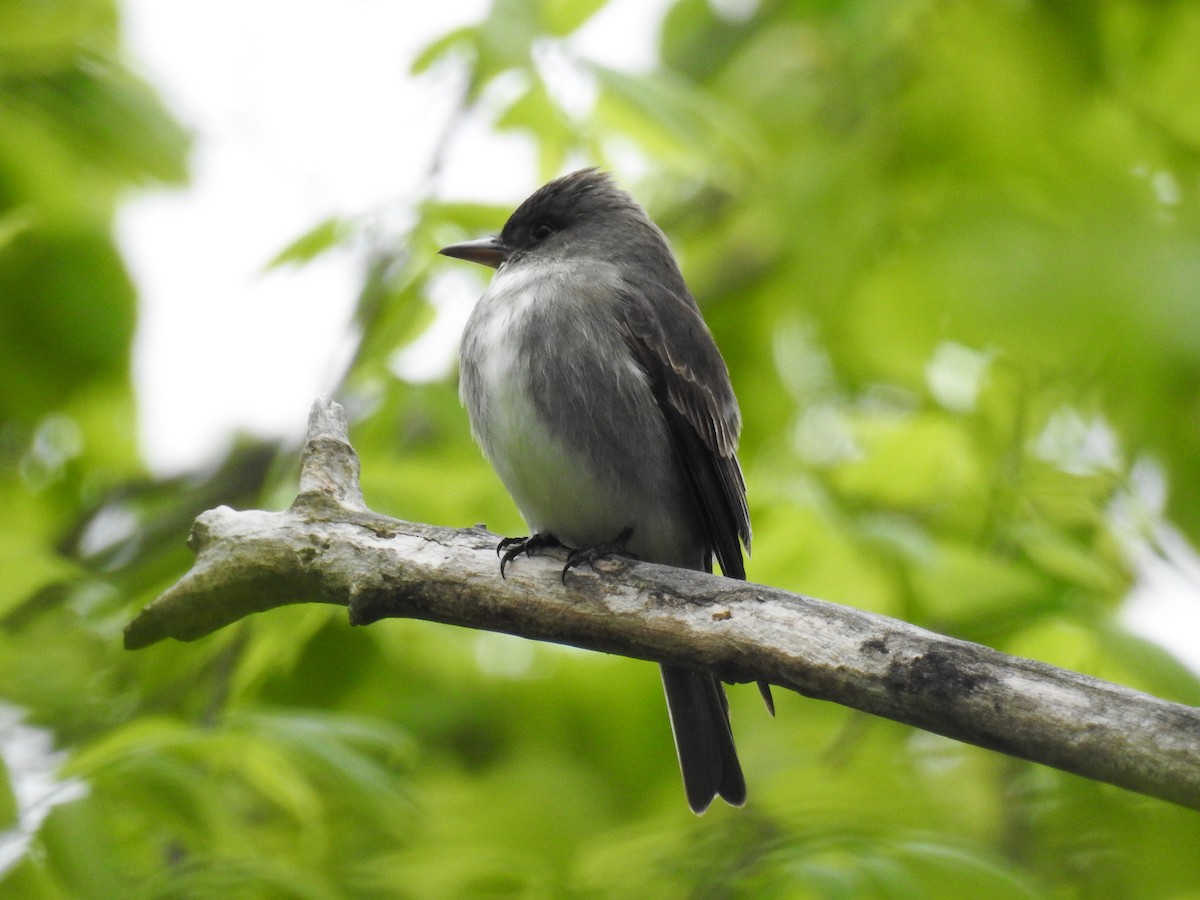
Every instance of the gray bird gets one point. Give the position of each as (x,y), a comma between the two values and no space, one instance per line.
(597,393)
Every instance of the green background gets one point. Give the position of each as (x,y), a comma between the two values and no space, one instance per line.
(951,253)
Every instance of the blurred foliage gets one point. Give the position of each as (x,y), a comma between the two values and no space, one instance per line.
(951,252)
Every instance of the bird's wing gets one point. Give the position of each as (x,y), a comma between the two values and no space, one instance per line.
(691,384)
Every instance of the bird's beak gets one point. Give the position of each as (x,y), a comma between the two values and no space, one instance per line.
(489,251)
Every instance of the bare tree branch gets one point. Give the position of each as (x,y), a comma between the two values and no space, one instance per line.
(329,548)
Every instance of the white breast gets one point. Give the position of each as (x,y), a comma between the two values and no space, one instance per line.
(556,489)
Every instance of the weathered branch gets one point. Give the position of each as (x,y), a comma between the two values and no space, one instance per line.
(329,548)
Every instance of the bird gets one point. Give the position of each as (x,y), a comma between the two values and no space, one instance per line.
(598,394)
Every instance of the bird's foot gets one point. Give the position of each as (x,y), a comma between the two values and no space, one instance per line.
(589,555)
(513,547)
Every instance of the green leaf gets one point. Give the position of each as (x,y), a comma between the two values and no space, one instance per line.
(678,124)
(40,38)
(13,223)
(8,801)
(1064,557)
(915,461)
(321,237)
(963,582)
(452,42)
(561,17)
(69,319)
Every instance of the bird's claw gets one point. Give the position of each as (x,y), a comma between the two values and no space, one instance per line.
(589,555)
(511,547)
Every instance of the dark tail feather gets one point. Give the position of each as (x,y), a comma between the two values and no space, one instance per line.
(764,688)
(703,740)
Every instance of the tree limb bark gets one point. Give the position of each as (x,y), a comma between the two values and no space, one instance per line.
(329,548)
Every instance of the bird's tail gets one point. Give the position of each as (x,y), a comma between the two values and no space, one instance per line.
(703,739)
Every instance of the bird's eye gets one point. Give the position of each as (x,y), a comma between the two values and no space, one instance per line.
(540,232)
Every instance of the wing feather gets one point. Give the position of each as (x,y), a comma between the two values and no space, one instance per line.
(691,384)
